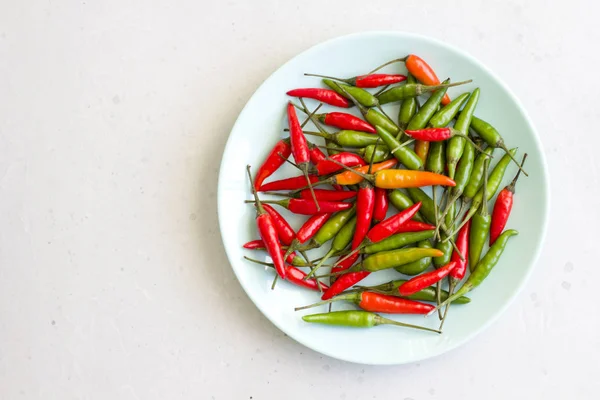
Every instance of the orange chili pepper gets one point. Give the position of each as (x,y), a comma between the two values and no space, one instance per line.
(350,178)
(423,72)
(422,149)
(406,178)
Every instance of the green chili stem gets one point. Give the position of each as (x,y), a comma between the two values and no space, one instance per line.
(320,264)
(511,187)
(388,63)
(451,287)
(379,320)
(257,202)
(288,161)
(383,89)
(308,118)
(507,151)
(304,166)
(329,77)
(274,281)
(353,296)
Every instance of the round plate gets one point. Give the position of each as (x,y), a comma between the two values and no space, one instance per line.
(261,124)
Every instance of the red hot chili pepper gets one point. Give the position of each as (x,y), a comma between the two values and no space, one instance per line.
(292,183)
(414,226)
(381,205)
(311,227)
(365,203)
(344,282)
(377,302)
(328,195)
(308,207)
(368,81)
(297,277)
(280,152)
(503,207)
(326,167)
(439,135)
(316,155)
(326,96)
(345,121)
(267,232)
(300,149)
(462,244)
(423,281)
(284,230)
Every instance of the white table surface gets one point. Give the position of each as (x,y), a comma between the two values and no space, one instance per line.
(113,280)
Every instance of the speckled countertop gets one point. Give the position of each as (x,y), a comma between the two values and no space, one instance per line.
(113,280)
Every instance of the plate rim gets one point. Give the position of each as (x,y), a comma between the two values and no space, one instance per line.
(545,180)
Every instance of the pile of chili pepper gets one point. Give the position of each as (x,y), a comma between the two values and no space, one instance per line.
(362,192)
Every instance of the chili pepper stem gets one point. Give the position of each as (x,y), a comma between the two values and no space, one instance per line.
(388,63)
(320,264)
(309,117)
(383,89)
(477,147)
(507,151)
(447,85)
(304,167)
(258,262)
(451,287)
(274,282)
(379,320)
(360,107)
(365,176)
(512,184)
(257,202)
(288,161)
(410,141)
(329,77)
(354,296)
(438,297)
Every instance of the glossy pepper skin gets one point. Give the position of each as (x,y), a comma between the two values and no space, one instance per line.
(275,159)
(424,73)
(503,207)
(416,267)
(284,230)
(423,281)
(378,302)
(367,81)
(357,319)
(308,207)
(403,154)
(381,205)
(462,243)
(327,167)
(345,121)
(297,277)
(268,234)
(293,183)
(445,115)
(398,93)
(456,145)
(427,294)
(408,108)
(397,241)
(323,95)
(363,97)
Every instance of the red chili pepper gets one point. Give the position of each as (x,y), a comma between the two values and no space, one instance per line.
(326,96)
(414,226)
(423,281)
(346,121)
(284,230)
(311,227)
(328,195)
(376,302)
(365,203)
(300,149)
(368,81)
(326,167)
(267,232)
(503,207)
(275,159)
(423,72)
(293,183)
(432,134)
(376,80)
(308,207)
(462,244)
(344,282)
(381,205)
(297,276)
(390,226)
(316,155)
(258,244)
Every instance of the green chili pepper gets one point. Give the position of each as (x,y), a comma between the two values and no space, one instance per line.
(456,144)
(357,319)
(402,201)
(405,155)
(409,90)
(340,242)
(361,95)
(397,241)
(491,136)
(330,147)
(445,246)
(476,179)
(493,183)
(330,229)
(427,110)
(378,153)
(408,107)
(376,118)
(484,266)
(428,294)
(393,258)
(427,209)
(347,138)
(480,226)
(436,161)
(444,116)
(416,267)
